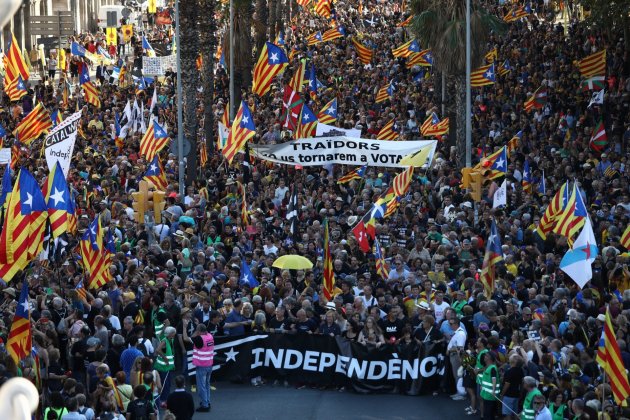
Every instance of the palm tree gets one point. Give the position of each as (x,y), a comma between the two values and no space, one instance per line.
(207,46)
(189,46)
(260,23)
(441,26)
(272,18)
(243,64)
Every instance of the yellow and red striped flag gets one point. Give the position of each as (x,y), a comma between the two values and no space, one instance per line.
(357,173)
(328,114)
(203,154)
(493,255)
(314,39)
(153,141)
(483,76)
(572,218)
(389,131)
(322,8)
(554,208)
(437,130)
(593,65)
(19,342)
(91,93)
(625,239)
(329,274)
(15,65)
(297,81)
(244,211)
(272,61)
(57,197)
(80,289)
(36,123)
(402,181)
(364,53)
(307,125)
(609,358)
(382,268)
(405,22)
(406,49)
(243,129)
(16,89)
(418,59)
(155,174)
(491,55)
(117,397)
(331,34)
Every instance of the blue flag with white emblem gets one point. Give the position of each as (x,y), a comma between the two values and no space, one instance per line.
(577,261)
(247,276)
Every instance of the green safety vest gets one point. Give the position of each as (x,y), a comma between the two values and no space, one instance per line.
(486,384)
(459,306)
(559,413)
(528,409)
(158,327)
(479,364)
(164,366)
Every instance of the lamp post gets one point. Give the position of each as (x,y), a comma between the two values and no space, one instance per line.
(231,61)
(468,95)
(180,104)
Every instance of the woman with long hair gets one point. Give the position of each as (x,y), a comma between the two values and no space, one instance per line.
(371,334)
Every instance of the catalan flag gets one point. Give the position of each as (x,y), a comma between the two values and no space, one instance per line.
(334,33)
(385,93)
(382,268)
(483,76)
(153,141)
(16,89)
(593,65)
(308,124)
(89,89)
(313,83)
(438,129)
(406,49)
(599,138)
(625,238)
(419,59)
(155,174)
(517,13)
(329,274)
(15,65)
(494,165)
(527,183)
(19,342)
(390,131)
(203,154)
(117,397)
(58,202)
(555,207)
(514,142)
(297,81)
(357,173)
(21,224)
(571,219)
(405,22)
(328,114)
(242,130)
(272,61)
(491,55)
(244,211)
(323,8)
(36,123)
(80,289)
(363,53)
(56,118)
(505,68)
(314,39)
(609,358)
(122,76)
(538,99)
(97,254)
(492,257)
(401,182)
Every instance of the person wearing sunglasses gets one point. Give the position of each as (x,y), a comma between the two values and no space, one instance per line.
(540,408)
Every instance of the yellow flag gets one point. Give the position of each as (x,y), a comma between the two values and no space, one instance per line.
(417,159)
(112,36)
(127,32)
(152,6)
(61,59)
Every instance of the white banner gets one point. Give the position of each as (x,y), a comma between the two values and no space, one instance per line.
(325,130)
(60,143)
(5,156)
(157,66)
(342,150)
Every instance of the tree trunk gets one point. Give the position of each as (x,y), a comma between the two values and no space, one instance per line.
(272,18)
(460,106)
(189,44)
(208,44)
(262,15)
(279,17)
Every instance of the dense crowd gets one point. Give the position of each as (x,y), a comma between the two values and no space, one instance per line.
(177,279)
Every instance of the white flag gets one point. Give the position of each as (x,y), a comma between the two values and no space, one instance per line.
(577,261)
(597,98)
(500,196)
(59,143)
(153,102)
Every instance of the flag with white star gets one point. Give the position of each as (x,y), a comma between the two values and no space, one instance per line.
(328,114)
(307,125)
(246,275)
(19,342)
(272,61)
(58,200)
(155,174)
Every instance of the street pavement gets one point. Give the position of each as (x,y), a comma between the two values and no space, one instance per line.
(236,402)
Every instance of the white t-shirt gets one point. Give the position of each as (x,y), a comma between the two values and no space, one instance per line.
(439,310)
(458,339)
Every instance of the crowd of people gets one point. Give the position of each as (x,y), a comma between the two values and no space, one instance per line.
(527,350)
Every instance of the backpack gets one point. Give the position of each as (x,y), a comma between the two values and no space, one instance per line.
(138,409)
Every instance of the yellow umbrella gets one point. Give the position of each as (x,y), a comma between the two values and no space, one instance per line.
(417,159)
(293,262)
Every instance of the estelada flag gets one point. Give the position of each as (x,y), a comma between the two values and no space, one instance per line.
(19,342)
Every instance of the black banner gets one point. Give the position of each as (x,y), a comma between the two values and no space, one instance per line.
(412,369)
